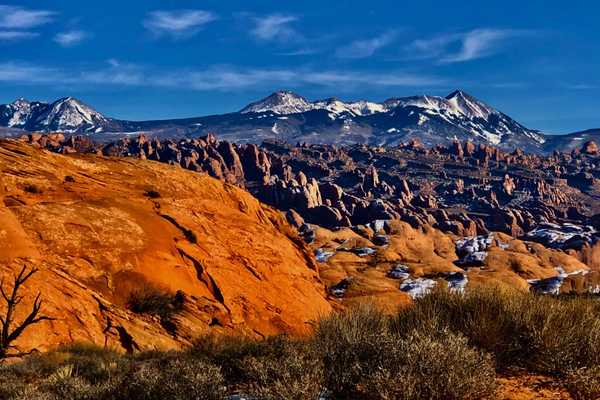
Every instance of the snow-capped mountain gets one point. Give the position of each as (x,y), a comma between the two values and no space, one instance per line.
(66,115)
(286,102)
(282,102)
(288,116)
(457,114)
(432,119)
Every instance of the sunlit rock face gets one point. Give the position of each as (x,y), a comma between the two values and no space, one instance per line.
(101,229)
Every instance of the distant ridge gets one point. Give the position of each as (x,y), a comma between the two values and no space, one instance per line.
(288,116)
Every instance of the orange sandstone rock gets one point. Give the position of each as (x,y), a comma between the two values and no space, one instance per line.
(101,228)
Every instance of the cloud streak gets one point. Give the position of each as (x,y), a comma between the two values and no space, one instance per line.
(12,17)
(178,24)
(465,46)
(217,77)
(16,22)
(365,48)
(16,35)
(70,38)
(274,27)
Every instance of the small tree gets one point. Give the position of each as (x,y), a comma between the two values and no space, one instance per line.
(12,300)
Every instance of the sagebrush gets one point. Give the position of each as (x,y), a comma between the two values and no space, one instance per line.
(445,346)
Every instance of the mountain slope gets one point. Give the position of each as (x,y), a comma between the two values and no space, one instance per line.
(431,119)
(66,115)
(290,117)
(572,141)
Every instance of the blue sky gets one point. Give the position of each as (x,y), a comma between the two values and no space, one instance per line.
(537,61)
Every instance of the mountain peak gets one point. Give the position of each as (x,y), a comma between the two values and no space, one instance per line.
(21,101)
(458,93)
(69,100)
(284,93)
(280,102)
(468,105)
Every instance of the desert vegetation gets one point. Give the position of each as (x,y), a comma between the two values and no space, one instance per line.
(152,301)
(445,346)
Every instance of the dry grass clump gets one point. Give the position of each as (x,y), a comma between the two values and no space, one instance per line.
(276,368)
(72,372)
(445,346)
(365,359)
(172,376)
(86,372)
(149,300)
(584,383)
(542,333)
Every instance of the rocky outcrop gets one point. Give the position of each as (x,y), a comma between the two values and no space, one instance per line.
(480,187)
(590,148)
(103,229)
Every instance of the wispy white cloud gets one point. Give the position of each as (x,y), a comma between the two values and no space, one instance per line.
(509,85)
(367,47)
(16,22)
(228,78)
(465,46)
(433,47)
(16,35)
(217,77)
(481,43)
(178,24)
(303,51)
(16,17)
(70,38)
(275,27)
(13,72)
(580,86)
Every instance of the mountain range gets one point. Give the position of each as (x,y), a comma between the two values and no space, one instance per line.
(287,116)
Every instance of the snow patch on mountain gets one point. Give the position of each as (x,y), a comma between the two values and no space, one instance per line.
(458,111)
(67,115)
(283,102)
(288,116)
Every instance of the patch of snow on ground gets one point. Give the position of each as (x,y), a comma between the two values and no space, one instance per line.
(399,271)
(378,224)
(323,255)
(363,251)
(339,289)
(457,282)
(559,235)
(553,284)
(472,250)
(417,287)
